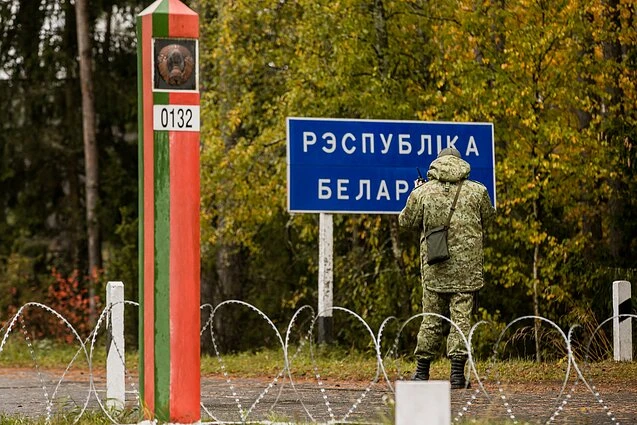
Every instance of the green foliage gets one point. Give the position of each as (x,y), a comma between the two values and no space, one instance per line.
(42,217)
(121,257)
(536,69)
(557,78)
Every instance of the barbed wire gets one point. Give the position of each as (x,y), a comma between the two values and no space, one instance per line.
(497,391)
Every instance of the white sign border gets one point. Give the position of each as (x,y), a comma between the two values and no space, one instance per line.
(287,159)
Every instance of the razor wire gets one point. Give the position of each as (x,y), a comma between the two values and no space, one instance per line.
(88,347)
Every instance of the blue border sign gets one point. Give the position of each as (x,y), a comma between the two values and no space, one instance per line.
(369,166)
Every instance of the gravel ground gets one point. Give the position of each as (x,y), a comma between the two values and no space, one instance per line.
(25,392)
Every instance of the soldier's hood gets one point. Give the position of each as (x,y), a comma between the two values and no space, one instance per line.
(448,168)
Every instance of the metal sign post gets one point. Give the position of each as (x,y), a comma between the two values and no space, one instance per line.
(325,278)
(167,56)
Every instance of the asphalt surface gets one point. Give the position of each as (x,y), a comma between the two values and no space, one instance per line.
(41,393)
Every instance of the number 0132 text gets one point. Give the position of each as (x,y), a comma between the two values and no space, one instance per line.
(176,117)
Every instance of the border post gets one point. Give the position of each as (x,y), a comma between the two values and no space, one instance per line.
(169,256)
(115,350)
(622,326)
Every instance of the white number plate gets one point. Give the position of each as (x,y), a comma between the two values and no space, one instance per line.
(176,117)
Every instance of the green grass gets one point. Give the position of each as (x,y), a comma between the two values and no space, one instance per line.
(338,364)
(88,418)
(333,363)
(330,362)
(48,354)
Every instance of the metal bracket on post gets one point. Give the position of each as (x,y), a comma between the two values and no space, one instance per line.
(622,326)
(115,359)
(325,278)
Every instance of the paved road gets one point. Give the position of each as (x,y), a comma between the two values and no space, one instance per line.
(25,392)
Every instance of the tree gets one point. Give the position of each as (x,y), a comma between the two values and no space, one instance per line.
(557,79)
(526,68)
(91,164)
(242,84)
(275,60)
(42,213)
(614,34)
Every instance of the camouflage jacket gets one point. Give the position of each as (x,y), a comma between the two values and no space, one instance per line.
(428,206)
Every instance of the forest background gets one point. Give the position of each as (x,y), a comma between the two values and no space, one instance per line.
(558,78)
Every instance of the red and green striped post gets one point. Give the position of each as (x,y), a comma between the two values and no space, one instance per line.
(167,55)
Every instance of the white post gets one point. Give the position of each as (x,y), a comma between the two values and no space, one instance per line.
(115,367)
(423,402)
(622,326)
(325,277)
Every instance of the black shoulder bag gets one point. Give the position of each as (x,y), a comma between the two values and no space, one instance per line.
(437,249)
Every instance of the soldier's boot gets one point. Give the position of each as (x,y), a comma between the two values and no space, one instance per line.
(422,370)
(457,378)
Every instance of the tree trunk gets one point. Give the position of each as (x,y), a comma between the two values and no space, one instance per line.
(230,273)
(619,204)
(536,303)
(90,149)
(536,295)
(381,45)
(382,41)
(404,299)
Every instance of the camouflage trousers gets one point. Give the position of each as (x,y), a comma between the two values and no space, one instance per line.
(456,306)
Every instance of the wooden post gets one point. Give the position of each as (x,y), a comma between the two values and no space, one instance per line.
(167,55)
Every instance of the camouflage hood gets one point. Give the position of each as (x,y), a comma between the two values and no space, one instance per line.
(448,168)
(428,207)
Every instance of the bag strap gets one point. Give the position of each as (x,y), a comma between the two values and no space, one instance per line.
(453,206)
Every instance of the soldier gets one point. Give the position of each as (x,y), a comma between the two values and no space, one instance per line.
(448,286)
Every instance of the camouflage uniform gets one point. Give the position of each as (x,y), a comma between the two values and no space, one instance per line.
(449,287)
